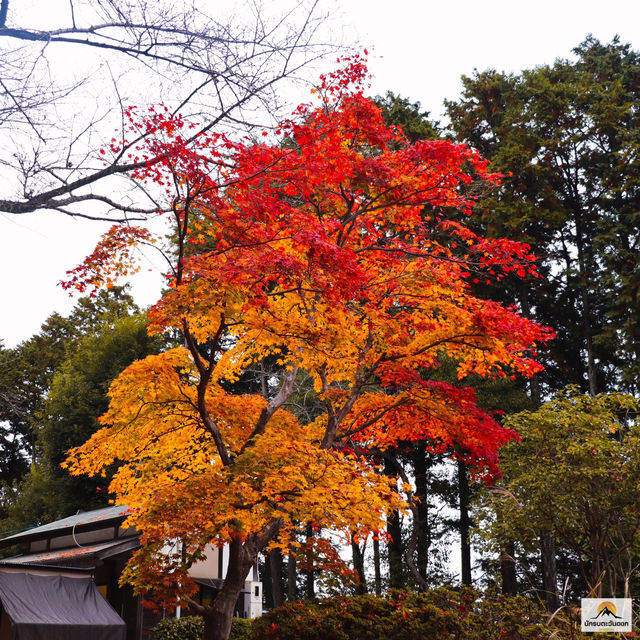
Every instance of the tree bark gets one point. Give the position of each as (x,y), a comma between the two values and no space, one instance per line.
(376,567)
(358,566)
(586,307)
(534,383)
(219,615)
(549,577)
(274,560)
(292,577)
(420,467)
(394,546)
(508,570)
(465,523)
(267,584)
(310,578)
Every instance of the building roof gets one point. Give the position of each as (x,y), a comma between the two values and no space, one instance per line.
(83,521)
(88,556)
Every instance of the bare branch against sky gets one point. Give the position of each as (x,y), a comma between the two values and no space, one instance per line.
(64,86)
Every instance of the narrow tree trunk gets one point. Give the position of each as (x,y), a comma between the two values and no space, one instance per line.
(242,557)
(310,578)
(358,566)
(465,523)
(219,615)
(508,570)
(596,577)
(292,577)
(549,577)
(534,383)
(376,567)
(586,308)
(394,546)
(274,560)
(217,625)
(267,583)
(610,575)
(420,468)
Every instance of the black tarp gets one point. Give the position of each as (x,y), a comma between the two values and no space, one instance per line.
(55,607)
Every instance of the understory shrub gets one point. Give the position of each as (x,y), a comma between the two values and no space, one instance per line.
(187,628)
(192,628)
(443,613)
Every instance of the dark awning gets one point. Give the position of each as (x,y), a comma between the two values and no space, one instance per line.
(55,607)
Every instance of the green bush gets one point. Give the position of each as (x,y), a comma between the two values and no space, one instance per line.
(192,628)
(187,628)
(241,629)
(443,613)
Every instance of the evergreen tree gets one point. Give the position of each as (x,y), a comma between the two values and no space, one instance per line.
(566,138)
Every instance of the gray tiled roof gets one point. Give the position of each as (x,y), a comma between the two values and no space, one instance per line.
(83,519)
(71,556)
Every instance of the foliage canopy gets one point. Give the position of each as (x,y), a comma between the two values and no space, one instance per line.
(343,253)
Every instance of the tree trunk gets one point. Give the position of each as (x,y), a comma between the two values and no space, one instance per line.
(217,625)
(420,468)
(274,560)
(596,578)
(219,615)
(508,570)
(586,307)
(310,577)
(549,577)
(358,565)
(376,567)
(292,577)
(267,584)
(534,383)
(465,523)
(394,546)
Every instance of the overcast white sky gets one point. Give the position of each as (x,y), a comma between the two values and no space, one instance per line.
(419,49)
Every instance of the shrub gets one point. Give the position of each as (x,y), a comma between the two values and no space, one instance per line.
(241,629)
(192,628)
(441,613)
(187,628)
(446,614)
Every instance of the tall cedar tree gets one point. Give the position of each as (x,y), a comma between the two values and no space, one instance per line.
(566,136)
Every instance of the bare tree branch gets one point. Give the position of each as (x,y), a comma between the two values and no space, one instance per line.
(220,72)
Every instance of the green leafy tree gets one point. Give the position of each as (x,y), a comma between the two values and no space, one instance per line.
(576,475)
(416,124)
(76,398)
(25,378)
(52,388)
(26,373)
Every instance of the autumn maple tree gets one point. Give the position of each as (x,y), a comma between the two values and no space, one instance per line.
(338,250)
